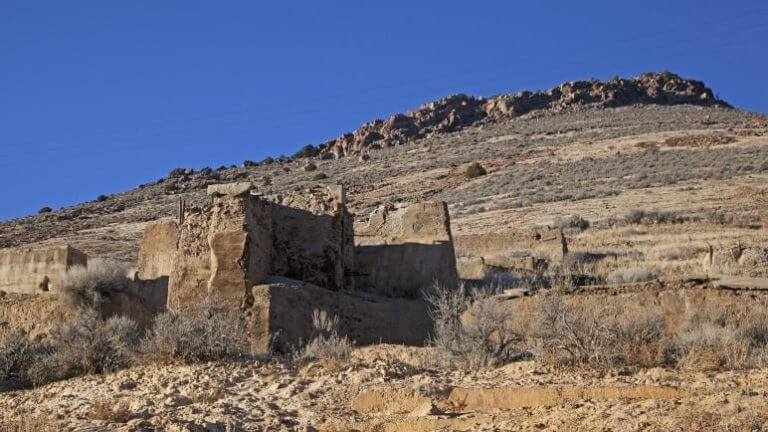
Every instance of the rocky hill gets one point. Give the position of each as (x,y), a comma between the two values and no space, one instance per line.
(460,111)
(591,149)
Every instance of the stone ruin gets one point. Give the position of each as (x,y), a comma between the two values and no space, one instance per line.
(277,258)
(480,255)
(36,270)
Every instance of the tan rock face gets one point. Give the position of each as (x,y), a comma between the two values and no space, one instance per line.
(24,270)
(402,250)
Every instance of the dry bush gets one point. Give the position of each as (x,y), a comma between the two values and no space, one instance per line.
(573,222)
(327,343)
(86,345)
(710,347)
(471,328)
(16,354)
(630,275)
(652,217)
(86,287)
(110,411)
(42,422)
(579,332)
(195,335)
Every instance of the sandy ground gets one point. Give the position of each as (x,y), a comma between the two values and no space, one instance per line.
(384,388)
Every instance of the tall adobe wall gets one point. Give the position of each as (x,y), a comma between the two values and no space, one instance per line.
(403,249)
(240,238)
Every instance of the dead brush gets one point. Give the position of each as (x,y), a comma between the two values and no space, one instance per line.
(42,422)
(472,329)
(110,411)
(327,344)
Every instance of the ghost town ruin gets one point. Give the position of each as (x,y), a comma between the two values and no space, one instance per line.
(278,258)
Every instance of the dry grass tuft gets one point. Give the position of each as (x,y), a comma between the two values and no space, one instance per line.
(42,422)
(110,411)
(327,344)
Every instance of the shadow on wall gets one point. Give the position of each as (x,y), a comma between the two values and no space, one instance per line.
(404,270)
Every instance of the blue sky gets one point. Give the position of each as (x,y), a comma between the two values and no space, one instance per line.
(100,96)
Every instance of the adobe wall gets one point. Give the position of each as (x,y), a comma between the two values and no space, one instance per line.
(403,249)
(26,270)
(281,315)
(35,315)
(158,250)
(241,238)
(478,254)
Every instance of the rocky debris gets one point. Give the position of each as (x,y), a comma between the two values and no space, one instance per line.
(460,111)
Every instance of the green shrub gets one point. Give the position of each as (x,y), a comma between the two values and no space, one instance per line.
(102,198)
(475,170)
(307,151)
(249,164)
(267,160)
(171,187)
(319,176)
(45,210)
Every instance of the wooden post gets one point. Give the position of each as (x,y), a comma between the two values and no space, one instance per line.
(181,211)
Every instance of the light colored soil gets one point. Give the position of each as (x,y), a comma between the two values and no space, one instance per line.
(377,392)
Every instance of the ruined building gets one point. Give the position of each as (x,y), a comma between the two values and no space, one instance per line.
(279,257)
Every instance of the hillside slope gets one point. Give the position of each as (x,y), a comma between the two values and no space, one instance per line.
(597,151)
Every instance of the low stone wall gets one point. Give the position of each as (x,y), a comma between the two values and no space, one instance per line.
(281,314)
(26,270)
(403,249)
(34,314)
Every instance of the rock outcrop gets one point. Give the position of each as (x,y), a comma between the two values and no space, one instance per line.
(460,111)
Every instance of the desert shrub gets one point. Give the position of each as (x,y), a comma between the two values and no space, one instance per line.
(249,164)
(267,160)
(580,333)
(471,329)
(326,343)
(16,354)
(110,411)
(88,345)
(87,287)
(194,335)
(319,176)
(574,222)
(474,170)
(709,347)
(307,151)
(651,217)
(171,187)
(729,219)
(102,198)
(44,210)
(222,168)
(630,275)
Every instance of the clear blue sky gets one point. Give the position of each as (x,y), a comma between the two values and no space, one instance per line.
(100,96)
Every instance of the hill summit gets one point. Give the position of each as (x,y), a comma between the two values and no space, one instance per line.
(459,111)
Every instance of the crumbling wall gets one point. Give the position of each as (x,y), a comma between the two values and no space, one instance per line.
(478,254)
(280,316)
(403,249)
(157,252)
(312,237)
(27,270)
(241,238)
(35,315)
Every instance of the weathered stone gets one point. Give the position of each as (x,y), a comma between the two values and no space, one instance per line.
(281,315)
(240,239)
(157,252)
(231,189)
(26,270)
(404,249)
